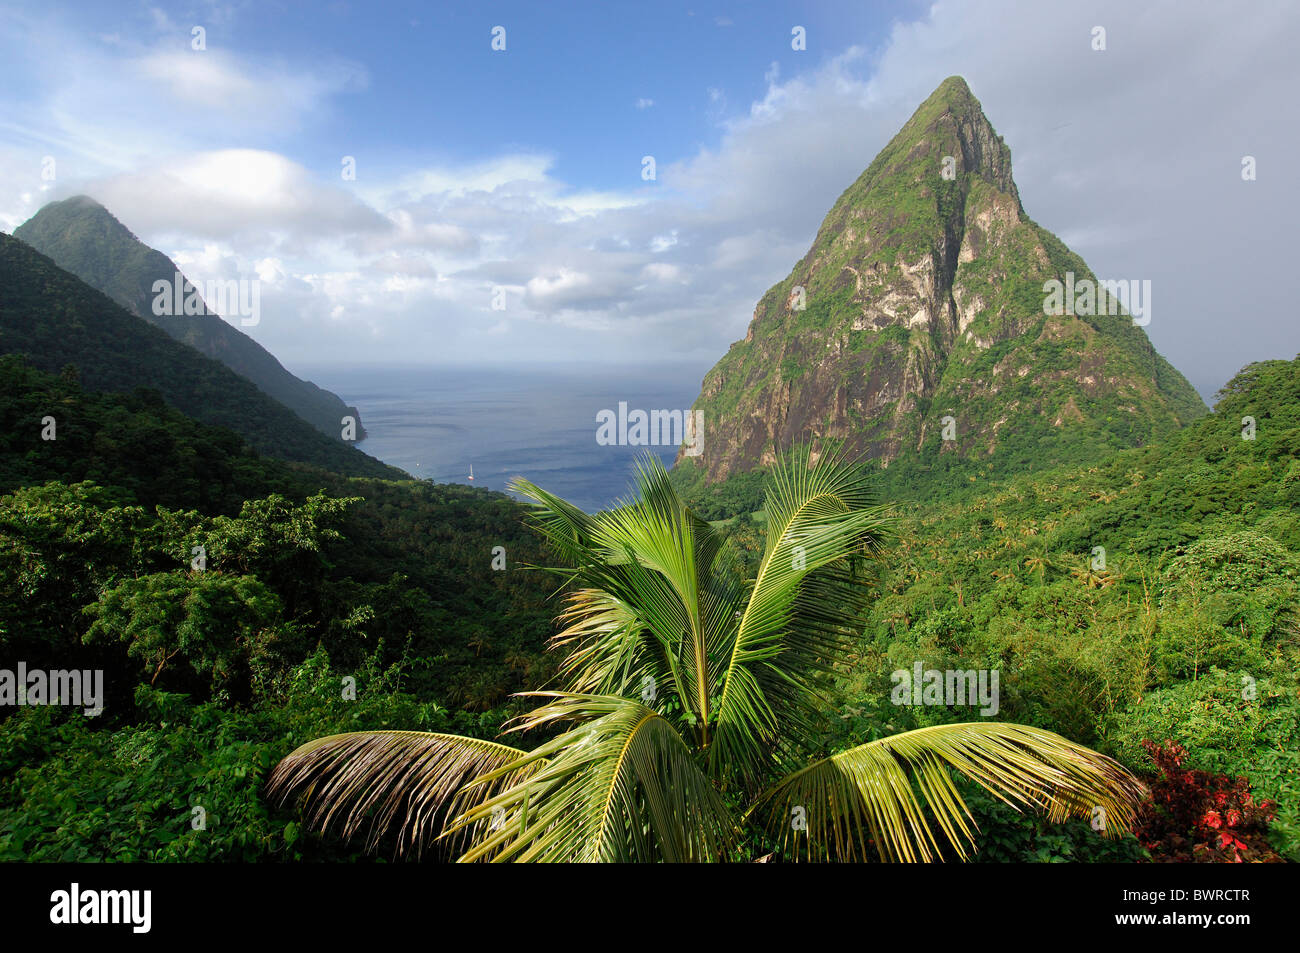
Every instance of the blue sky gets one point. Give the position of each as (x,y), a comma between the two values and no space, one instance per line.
(520,170)
(594,85)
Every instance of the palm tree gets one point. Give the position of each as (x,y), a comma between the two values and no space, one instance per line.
(1038,562)
(690,709)
(1093,578)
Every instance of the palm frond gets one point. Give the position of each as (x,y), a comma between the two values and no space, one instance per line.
(602,638)
(564,526)
(803,609)
(405,782)
(886,798)
(620,785)
(652,558)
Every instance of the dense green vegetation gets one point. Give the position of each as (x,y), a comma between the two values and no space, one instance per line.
(323,604)
(687,724)
(73,790)
(1188,632)
(351,560)
(55,320)
(82,237)
(212,674)
(134,441)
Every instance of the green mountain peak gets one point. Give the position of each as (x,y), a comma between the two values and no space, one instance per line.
(83,237)
(53,320)
(915,329)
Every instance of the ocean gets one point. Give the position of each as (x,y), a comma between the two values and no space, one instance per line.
(535,421)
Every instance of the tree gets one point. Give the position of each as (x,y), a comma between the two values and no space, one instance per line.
(1037,563)
(691,709)
(208,619)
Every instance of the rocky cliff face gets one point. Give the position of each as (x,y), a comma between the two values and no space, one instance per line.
(918,315)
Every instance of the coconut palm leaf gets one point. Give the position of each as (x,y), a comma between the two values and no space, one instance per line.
(621,785)
(801,613)
(672,552)
(407,782)
(660,607)
(887,797)
(604,644)
(563,525)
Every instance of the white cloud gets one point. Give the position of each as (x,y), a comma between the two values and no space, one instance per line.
(110,104)
(203,79)
(234,193)
(661,243)
(662,272)
(562,288)
(1131,154)
(492,175)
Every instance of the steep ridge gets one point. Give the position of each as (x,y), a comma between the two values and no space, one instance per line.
(83,237)
(55,320)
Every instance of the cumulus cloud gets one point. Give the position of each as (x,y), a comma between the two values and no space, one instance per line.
(1131,155)
(232,193)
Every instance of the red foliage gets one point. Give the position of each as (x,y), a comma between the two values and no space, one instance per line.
(1198,817)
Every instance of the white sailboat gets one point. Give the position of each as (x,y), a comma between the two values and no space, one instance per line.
(471,471)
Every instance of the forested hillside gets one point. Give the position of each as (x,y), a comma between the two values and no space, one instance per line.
(249,605)
(217,666)
(82,237)
(1152,596)
(1185,631)
(56,320)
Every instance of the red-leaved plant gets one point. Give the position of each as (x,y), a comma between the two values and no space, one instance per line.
(1194,816)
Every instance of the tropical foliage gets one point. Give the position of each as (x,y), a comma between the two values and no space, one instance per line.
(1188,634)
(691,706)
(316,582)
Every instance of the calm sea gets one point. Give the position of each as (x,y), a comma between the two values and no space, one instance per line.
(536,421)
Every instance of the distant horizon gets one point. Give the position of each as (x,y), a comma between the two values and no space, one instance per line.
(379,224)
(306,368)
(435,421)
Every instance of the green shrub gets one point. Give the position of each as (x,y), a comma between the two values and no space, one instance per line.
(1230,723)
(72,789)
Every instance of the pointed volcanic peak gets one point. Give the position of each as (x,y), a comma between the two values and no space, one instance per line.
(917,330)
(948,133)
(84,238)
